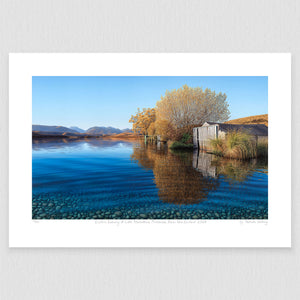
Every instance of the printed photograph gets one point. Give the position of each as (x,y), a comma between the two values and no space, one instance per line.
(150,147)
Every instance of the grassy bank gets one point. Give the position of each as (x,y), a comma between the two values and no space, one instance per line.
(239,145)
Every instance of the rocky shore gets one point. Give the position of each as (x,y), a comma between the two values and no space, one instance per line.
(47,206)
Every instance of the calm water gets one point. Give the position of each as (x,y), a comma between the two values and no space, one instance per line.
(105,179)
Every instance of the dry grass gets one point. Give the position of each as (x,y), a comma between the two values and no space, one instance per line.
(218,146)
(236,145)
(239,145)
(259,119)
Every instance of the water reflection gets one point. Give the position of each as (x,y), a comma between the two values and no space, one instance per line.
(176,180)
(48,144)
(108,179)
(233,170)
(202,162)
(180,183)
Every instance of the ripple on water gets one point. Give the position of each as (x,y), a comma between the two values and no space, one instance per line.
(87,182)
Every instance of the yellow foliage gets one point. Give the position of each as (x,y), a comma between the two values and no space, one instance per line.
(143,120)
(151,129)
(164,129)
(188,107)
(179,111)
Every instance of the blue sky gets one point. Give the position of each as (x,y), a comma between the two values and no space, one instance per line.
(110,101)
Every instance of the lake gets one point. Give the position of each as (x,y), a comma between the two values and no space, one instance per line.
(113,179)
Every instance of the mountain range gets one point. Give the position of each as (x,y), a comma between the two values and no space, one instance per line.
(46,128)
(76,130)
(105,130)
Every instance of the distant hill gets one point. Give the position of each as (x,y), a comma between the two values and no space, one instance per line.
(127,130)
(77,129)
(46,128)
(55,134)
(105,130)
(74,130)
(259,119)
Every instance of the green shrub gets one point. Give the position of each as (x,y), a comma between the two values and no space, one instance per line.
(180,145)
(186,138)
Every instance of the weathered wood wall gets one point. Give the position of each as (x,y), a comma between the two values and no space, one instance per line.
(203,135)
(195,137)
(262,139)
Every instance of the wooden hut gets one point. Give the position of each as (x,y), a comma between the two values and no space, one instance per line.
(209,130)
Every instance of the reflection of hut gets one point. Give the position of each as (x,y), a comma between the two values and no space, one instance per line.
(202,163)
(203,135)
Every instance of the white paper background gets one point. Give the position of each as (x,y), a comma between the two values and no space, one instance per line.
(148,26)
(25,232)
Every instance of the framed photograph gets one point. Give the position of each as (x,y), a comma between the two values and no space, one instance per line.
(150,150)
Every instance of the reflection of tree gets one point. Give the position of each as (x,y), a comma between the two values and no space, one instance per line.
(143,155)
(175,178)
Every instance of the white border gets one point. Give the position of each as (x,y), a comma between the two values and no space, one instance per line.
(25,232)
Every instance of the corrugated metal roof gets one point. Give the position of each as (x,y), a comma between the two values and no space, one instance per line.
(254,129)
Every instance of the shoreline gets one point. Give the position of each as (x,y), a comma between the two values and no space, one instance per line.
(83,137)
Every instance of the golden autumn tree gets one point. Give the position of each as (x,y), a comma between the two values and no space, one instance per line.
(165,129)
(142,120)
(188,107)
(152,129)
